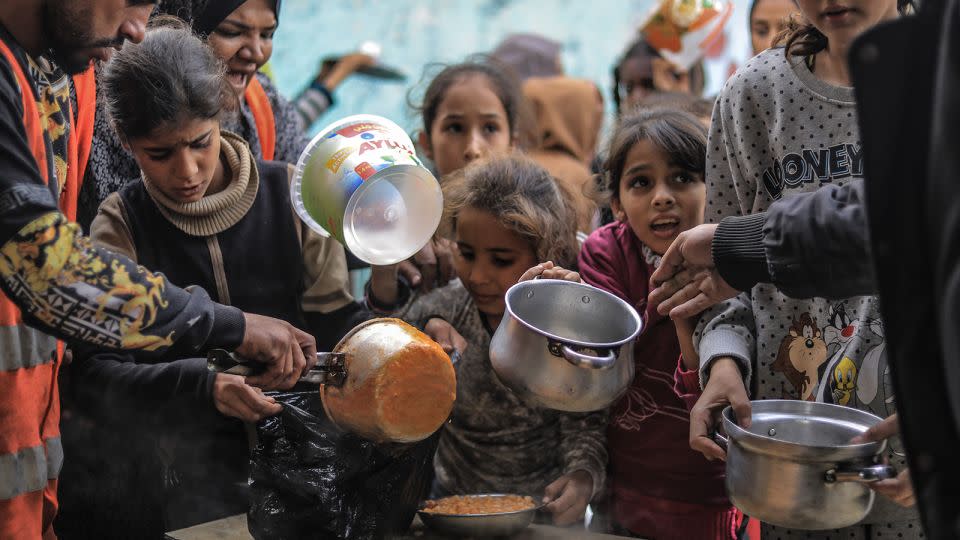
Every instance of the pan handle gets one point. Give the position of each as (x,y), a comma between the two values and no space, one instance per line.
(329,369)
(224,361)
(863,475)
(721,441)
(587,361)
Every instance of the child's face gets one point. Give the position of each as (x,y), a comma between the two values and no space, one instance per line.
(180,159)
(843,21)
(636,81)
(657,199)
(490,258)
(471,123)
(769,19)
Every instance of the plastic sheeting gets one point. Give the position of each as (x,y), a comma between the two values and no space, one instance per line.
(310,480)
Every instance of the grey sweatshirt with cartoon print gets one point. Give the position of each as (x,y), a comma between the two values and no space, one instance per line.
(778,131)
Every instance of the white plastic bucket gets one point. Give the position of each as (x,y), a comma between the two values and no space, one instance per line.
(361,181)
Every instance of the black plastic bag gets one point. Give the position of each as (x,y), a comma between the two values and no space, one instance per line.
(310,480)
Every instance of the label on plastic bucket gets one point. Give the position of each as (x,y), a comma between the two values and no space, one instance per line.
(361,181)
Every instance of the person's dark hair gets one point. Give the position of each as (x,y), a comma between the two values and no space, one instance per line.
(641,49)
(801,38)
(503,83)
(678,134)
(523,197)
(169,76)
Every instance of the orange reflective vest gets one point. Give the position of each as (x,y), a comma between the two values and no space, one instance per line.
(259,103)
(30,450)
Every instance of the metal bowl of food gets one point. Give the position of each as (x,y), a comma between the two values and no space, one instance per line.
(493,514)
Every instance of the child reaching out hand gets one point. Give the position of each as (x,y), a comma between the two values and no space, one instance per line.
(548,270)
(504,214)
(653,180)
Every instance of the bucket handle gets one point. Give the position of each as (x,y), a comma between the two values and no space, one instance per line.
(584,360)
(862,475)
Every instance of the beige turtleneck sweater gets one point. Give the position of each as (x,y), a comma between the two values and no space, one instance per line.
(215,213)
(325,266)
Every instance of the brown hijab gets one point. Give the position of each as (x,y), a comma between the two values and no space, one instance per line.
(567,116)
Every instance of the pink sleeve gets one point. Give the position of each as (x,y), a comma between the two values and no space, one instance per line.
(599,264)
(686,384)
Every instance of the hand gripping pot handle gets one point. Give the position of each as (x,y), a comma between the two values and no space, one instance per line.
(584,360)
(721,441)
(863,475)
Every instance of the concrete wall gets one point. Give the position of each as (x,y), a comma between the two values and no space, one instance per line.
(415,33)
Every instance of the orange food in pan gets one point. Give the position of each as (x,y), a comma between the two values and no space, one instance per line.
(473,504)
(400,384)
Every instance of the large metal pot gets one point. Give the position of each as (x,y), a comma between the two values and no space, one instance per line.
(795,467)
(564,345)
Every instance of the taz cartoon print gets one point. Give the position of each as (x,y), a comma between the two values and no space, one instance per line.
(801,354)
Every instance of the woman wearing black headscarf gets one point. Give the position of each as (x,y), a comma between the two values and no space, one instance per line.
(241,32)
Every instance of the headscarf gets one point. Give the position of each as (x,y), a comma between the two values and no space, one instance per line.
(568,115)
(205,15)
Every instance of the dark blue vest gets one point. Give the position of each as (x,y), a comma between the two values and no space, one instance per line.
(262,257)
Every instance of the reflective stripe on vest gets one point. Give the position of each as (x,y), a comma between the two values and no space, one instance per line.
(79,143)
(30,469)
(29,397)
(259,103)
(23,347)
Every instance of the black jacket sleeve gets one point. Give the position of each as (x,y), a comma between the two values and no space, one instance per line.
(812,244)
(119,387)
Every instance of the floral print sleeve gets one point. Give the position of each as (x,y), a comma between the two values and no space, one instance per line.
(66,286)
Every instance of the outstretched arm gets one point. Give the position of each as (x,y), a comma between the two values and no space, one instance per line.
(812,244)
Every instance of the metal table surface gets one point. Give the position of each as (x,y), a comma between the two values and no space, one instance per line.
(235,528)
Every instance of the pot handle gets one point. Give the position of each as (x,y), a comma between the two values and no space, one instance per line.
(863,475)
(586,361)
(721,441)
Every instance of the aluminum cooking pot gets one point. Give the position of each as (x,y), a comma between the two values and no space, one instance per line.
(564,345)
(795,467)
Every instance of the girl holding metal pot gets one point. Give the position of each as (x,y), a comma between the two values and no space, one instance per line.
(504,214)
(773,121)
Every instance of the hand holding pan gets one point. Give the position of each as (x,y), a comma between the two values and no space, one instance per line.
(385,381)
(328,370)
